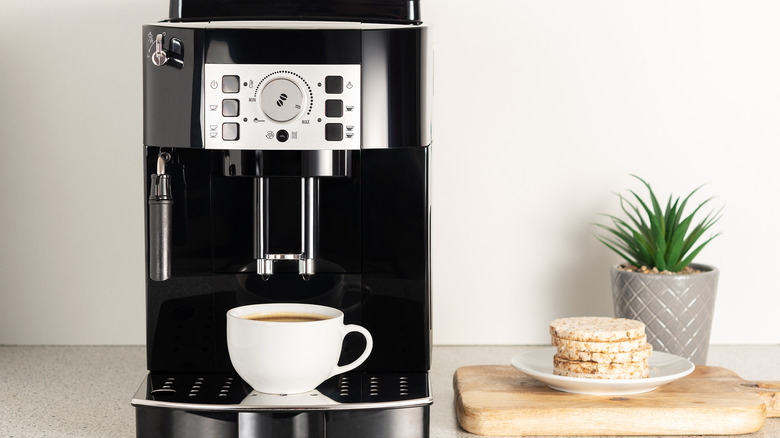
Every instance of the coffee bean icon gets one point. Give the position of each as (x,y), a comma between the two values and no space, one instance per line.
(282,98)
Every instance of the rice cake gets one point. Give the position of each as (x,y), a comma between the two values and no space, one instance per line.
(637,355)
(600,347)
(584,367)
(642,374)
(597,329)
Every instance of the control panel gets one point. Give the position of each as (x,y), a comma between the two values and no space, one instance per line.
(301,107)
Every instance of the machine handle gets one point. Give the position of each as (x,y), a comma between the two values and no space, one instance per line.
(173,56)
(160,55)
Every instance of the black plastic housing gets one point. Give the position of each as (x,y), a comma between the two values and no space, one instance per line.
(368,11)
(374,220)
(395,77)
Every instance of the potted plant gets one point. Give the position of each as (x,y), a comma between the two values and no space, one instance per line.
(659,285)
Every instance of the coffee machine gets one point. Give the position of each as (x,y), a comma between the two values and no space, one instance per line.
(287,151)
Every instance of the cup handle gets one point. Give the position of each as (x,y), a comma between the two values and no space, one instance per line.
(369,345)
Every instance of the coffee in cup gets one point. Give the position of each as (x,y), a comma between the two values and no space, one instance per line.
(286,317)
(289,348)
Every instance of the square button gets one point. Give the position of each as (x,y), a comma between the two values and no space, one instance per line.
(334,84)
(334,108)
(229,107)
(230,131)
(334,132)
(230,84)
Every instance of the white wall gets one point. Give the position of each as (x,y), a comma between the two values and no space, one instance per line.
(71,187)
(542,110)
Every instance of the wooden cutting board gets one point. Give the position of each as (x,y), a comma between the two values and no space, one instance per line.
(499,400)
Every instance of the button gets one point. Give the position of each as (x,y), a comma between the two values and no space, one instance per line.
(230,107)
(230,84)
(334,108)
(176,46)
(334,132)
(230,131)
(282,135)
(334,84)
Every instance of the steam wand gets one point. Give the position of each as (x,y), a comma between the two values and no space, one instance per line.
(160,218)
(310,189)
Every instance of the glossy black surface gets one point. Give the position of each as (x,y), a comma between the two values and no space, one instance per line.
(283,46)
(395,75)
(172,95)
(373,258)
(373,250)
(176,423)
(374,423)
(396,80)
(228,390)
(390,11)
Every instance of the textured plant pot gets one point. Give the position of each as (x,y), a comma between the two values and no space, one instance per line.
(677,309)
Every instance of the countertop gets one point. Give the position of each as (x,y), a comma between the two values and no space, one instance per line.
(85,391)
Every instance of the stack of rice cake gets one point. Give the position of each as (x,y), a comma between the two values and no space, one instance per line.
(600,348)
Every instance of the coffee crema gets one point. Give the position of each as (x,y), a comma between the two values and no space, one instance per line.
(286,317)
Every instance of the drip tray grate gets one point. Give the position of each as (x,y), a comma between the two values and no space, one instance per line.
(215,390)
(199,388)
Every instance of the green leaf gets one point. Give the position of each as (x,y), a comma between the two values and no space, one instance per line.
(659,215)
(685,201)
(641,225)
(645,250)
(682,265)
(620,253)
(671,218)
(642,249)
(651,229)
(621,234)
(677,241)
(655,237)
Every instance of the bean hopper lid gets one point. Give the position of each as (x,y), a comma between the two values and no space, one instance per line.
(367,11)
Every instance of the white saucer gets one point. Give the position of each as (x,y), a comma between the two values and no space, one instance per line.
(664,368)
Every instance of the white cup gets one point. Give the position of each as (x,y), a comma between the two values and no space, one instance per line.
(289,357)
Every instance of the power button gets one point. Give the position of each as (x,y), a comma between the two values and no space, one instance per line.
(282,135)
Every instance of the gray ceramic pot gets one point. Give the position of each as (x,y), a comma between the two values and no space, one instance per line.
(677,309)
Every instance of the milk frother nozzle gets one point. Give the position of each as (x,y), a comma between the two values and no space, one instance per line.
(160,219)
(160,185)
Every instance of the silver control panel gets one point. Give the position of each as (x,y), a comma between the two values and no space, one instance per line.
(301,107)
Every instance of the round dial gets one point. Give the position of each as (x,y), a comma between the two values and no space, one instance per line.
(281,100)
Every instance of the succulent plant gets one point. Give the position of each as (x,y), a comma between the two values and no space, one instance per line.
(664,239)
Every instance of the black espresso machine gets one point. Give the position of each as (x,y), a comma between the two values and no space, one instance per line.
(287,151)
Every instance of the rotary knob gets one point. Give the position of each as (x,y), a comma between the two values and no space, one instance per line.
(281,100)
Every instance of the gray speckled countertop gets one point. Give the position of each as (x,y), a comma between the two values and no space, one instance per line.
(85,392)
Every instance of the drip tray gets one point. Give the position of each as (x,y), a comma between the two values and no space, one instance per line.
(228,392)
